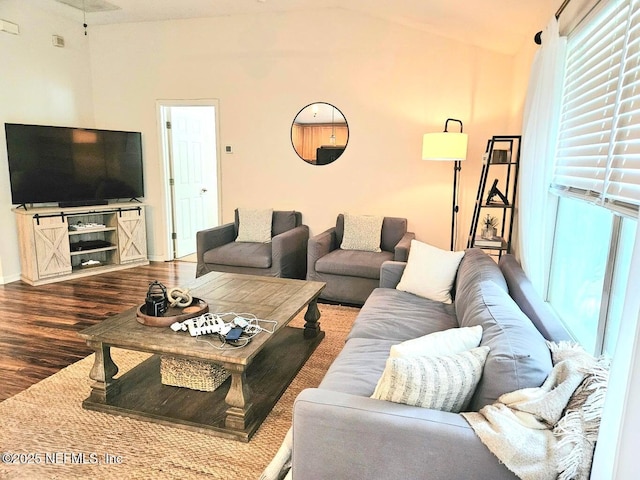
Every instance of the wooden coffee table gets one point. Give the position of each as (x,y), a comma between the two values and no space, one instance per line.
(260,372)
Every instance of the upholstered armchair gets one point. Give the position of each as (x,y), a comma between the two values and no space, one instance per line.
(352,274)
(282,252)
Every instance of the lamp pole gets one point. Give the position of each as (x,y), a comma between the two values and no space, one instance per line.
(457,166)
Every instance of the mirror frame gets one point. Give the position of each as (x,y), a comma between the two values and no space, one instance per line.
(308,150)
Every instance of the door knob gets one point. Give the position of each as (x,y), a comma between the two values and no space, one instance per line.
(204,190)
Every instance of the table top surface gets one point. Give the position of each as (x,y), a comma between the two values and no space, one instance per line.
(267,298)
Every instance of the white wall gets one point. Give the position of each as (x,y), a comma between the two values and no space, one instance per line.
(392,83)
(39,84)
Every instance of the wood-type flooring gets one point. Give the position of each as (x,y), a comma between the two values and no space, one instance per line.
(39,325)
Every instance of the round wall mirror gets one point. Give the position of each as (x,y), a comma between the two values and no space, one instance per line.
(319,133)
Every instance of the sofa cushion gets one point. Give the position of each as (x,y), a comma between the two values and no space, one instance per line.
(475,267)
(353,263)
(393,229)
(530,302)
(358,367)
(444,382)
(446,342)
(254,225)
(284,221)
(362,232)
(240,254)
(519,356)
(390,314)
(430,272)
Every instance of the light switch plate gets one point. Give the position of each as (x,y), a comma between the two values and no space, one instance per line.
(9,27)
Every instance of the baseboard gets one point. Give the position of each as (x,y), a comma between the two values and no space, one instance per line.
(9,278)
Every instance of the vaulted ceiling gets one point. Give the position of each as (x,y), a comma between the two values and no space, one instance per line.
(499,25)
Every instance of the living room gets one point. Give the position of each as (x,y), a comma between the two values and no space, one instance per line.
(393,81)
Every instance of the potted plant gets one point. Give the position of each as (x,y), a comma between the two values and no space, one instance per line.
(489,227)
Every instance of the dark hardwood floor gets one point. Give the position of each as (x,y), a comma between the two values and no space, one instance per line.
(39,325)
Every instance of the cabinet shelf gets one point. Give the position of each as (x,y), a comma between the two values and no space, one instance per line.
(495,205)
(93,250)
(91,230)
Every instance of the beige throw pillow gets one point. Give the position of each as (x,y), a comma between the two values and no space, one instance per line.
(442,383)
(362,232)
(430,272)
(254,225)
(446,342)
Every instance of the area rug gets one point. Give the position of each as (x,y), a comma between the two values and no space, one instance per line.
(46,434)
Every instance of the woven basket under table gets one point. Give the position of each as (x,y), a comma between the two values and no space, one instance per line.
(193,374)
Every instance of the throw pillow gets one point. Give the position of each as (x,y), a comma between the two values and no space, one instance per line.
(443,383)
(362,232)
(446,342)
(430,272)
(254,225)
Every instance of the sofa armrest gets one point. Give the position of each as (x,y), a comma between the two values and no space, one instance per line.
(391,273)
(337,435)
(401,251)
(212,238)
(289,252)
(320,245)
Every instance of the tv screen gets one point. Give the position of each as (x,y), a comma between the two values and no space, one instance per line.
(73,165)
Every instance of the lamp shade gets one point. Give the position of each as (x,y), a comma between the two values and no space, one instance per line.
(447,146)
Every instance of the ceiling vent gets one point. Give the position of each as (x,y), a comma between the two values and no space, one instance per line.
(90,6)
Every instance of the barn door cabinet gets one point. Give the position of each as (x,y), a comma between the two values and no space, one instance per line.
(61,243)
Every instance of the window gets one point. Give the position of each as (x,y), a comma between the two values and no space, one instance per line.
(621,272)
(597,175)
(578,266)
(589,270)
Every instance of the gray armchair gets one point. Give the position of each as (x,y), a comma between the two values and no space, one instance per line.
(285,256)
(351,275)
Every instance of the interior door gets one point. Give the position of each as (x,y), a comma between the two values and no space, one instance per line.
(194,173)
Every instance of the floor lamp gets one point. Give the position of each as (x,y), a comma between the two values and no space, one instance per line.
(451,147)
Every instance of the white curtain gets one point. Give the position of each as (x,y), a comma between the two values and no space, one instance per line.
(536,206)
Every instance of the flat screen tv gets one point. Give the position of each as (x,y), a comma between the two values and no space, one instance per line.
(73,166)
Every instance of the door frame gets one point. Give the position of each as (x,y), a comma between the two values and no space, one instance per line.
(161,110)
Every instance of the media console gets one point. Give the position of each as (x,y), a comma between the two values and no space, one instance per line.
(61,243)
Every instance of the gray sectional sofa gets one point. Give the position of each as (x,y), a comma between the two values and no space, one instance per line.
(339,432)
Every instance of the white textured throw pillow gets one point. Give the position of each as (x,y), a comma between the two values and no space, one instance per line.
(430,272)
(442,383)
(254,225)
(446,342)
(362,232)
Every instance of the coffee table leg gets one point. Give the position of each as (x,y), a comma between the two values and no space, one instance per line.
(312,326)
(239,411)
(102,372)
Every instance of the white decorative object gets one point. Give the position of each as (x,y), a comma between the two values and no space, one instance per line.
(362,232)
(446,342)
(442,383)
(254,225)
(430,272)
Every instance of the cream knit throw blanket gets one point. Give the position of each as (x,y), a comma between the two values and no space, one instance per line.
(518,428)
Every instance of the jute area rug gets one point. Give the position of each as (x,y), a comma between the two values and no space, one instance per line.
(46,434)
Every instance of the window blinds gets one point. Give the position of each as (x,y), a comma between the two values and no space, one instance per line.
(598,151)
